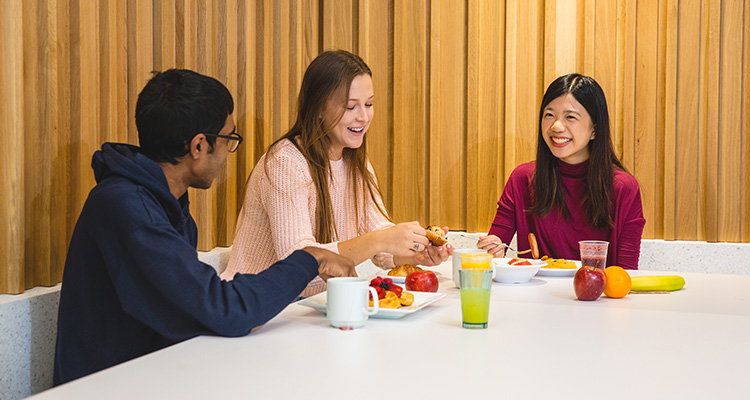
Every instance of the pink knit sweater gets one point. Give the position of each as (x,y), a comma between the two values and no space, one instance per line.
(278,215)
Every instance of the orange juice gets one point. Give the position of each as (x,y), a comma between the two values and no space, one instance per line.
(476,261)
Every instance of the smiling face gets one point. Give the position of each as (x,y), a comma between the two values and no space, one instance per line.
(350,130)
(567,129)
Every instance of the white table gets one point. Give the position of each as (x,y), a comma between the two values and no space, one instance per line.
(541,343)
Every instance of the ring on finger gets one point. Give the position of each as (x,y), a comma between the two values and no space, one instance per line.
(416,246)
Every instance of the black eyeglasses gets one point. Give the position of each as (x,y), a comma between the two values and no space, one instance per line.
(234,137)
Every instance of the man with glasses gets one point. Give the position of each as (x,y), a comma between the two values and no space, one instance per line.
(133,283)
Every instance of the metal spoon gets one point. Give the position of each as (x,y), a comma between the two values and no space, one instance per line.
(498,244)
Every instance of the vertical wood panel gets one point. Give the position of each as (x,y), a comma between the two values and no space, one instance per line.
(86,139)
(374,42)
(245,116)
(661,121)
(116,126)
(670,119)
(523,80)
(625,136)
(646,132)
(485,120)
(226,184)
(139,55)
(205,202)
(745,134)
(60,101)
(284,65)
(235,182)
(36,175)
(265,72)
(410,117)
(311,37)
(560,42)
(608,20)
(11,153)
(730,157)
(589,34)
(686,125)
(447,118)
(339,22)
(164,34)
(511,93)
(186,21)
(709,116)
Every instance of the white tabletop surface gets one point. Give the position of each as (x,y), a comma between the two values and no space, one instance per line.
(541,343)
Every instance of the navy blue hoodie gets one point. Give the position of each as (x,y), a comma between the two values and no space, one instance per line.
(133,283)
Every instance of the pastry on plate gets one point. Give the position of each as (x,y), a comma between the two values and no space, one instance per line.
(406,299)
(403,270)
(390,300)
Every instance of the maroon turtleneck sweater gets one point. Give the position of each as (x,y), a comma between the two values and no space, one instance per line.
(557,237)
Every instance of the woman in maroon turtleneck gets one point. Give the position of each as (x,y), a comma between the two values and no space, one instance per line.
(577,189)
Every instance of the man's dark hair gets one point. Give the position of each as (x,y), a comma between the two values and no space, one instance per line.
(174,106)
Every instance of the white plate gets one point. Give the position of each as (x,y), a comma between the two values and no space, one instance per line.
(401,280)
(531,282)
(421,300)
(559,271)
(505,261)
(396,279)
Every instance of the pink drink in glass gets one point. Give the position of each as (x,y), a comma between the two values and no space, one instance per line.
(594,253)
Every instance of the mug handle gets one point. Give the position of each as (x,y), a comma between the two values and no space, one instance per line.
(375,301)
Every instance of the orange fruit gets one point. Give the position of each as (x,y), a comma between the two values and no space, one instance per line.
(618,282)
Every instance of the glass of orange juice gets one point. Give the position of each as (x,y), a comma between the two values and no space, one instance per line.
(456,260)
(476,261)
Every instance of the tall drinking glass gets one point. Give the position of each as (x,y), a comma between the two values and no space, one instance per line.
(594,253)
(475,297)
(476,260)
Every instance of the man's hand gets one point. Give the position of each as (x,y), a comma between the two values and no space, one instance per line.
(331,264)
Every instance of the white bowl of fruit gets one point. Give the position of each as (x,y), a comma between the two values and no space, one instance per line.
(515,270)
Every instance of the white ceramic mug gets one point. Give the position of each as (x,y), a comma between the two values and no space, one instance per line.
(457,262)
(347,302)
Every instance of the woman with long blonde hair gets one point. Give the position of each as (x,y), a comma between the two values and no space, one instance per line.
(316,187)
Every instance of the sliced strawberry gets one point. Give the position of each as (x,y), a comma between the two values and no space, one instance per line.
(396,289)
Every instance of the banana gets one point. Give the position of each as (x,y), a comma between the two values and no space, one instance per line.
(656,283)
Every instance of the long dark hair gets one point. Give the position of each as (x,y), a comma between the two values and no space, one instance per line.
(549,191)
(328,78)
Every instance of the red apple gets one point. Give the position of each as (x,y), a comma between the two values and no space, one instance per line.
(589,283)
(422,281)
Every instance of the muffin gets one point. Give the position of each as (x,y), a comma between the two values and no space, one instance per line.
(436,235)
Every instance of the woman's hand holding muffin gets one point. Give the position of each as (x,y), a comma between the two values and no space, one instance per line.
(439,248)
(409,244)
(402,240)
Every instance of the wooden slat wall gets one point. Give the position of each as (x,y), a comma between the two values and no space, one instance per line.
(457,83)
